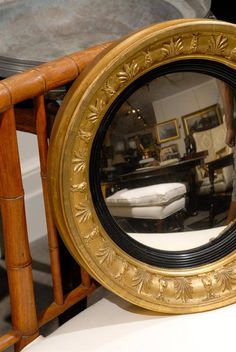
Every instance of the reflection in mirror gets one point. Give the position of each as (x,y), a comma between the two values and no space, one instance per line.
(165,166)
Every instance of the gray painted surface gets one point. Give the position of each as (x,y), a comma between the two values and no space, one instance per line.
(44,30)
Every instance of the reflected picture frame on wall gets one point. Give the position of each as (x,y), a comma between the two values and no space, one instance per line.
(202,120)
(146,140)
(167,131)
(170,151)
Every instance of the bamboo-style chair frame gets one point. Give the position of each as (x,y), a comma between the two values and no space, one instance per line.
(32,84)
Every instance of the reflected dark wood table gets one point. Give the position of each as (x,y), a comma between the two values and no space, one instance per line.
(176,168)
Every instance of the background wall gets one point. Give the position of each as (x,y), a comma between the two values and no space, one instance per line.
(32,188)
(186,102)
(32,185)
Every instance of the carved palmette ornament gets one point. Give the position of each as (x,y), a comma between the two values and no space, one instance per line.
(173,48)
(225,278)
(141,280)
(106,254)
(83,212)
(95,110)
(218,44)
(183,289)
(79,160)
(129,71)
(166,290)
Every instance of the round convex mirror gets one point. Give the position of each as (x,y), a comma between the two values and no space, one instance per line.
(166,182)
(156,158)
(140,175)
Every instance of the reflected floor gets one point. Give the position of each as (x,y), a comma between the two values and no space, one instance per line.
(196,232)
(199,221)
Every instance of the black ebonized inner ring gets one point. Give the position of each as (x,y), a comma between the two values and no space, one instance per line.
(205,254)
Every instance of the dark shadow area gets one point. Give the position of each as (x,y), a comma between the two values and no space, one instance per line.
(4,283)
(224,11)
(43,295)
(5,320)
(71,278)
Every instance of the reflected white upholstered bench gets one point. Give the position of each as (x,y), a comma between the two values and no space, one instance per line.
(156,202)
(113,325)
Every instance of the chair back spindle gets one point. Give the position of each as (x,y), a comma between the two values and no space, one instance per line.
(33,84)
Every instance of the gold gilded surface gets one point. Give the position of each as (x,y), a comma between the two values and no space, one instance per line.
(165,290)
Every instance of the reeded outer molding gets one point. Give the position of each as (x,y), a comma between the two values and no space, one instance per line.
(165,290)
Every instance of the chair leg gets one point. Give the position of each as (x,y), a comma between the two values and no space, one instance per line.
(180,219)
(160,225)
(176,221)
(212,192)
(211,212)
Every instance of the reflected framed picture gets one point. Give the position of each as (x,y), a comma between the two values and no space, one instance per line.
(146,140)
(202,120)
(167,131)
(169,152)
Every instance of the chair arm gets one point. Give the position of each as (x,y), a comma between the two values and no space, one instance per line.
(221,162)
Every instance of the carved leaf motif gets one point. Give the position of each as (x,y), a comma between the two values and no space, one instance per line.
(148,60)
(79,160)
(194,43)
(226,278)
(123,268)
(106,254)
(129,71)
(83,212)
(183,289)
(163,284)
(141,280)
(85,136)
(232,55)
(208,285)
(91,235)
(95,110)
(109,89)
(173,48)
(217,44)
(79,187)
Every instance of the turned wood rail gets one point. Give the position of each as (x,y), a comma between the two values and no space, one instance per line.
(33,85)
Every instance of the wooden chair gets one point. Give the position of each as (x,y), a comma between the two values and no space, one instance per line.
(32,86)
(26,322)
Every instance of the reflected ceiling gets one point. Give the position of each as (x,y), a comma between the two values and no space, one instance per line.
(160,88)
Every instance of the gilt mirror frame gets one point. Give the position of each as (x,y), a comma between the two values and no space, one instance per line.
(207,284)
